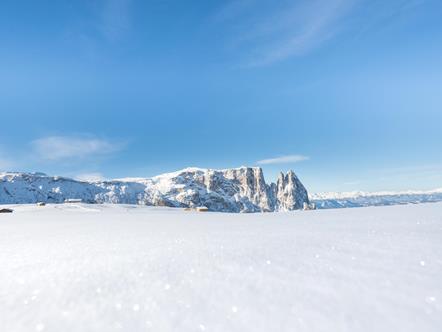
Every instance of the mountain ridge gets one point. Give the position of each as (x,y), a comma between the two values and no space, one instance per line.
(327,200)
(240,189)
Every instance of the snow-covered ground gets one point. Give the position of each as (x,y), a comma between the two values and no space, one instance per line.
(134,268)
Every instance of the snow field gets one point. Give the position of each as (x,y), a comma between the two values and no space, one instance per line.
(131,268)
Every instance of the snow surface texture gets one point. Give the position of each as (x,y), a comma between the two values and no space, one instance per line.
(360,199)
(231,190)
(134,268)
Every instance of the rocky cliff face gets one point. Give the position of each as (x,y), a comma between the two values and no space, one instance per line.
(290,193)
(232,190)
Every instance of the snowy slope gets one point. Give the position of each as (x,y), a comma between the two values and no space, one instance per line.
(133,268)
(231,190)
(359,199)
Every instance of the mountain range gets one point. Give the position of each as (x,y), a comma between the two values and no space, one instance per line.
(360,199)
(230,190)
(240,189)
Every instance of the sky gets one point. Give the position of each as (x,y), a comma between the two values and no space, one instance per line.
(347,93)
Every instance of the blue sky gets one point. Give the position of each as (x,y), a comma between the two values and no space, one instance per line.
(348,93)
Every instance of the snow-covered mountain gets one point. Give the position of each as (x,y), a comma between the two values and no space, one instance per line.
(231,190)
(359,198)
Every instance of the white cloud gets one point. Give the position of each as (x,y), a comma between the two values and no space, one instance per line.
(295,158)
(90,177)
(56,148)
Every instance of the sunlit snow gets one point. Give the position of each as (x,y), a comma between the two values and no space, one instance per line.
(132,268)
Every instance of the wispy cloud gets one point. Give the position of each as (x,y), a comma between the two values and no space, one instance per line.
(56,148)
(303,28)
(278,31)
(295,158)
(266,32)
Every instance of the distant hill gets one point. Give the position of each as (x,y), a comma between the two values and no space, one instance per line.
(359,199)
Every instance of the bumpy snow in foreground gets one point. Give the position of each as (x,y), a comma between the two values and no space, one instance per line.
(112,268)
